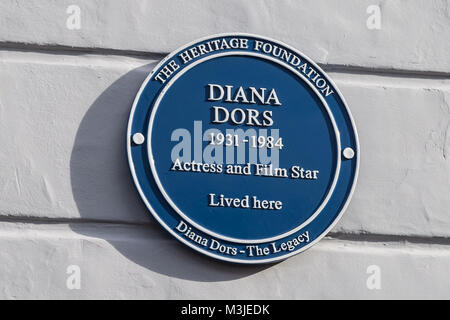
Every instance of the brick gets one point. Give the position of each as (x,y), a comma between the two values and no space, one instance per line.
(64,141)
(330,32)
(118,262)
(64,154)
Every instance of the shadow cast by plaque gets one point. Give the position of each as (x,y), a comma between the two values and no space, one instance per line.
(102,188)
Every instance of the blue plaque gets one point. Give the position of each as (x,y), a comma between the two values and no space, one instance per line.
(242,148)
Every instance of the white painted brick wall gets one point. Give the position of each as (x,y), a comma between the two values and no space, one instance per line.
(66,196)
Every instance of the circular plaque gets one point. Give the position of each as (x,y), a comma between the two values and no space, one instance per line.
(242,148)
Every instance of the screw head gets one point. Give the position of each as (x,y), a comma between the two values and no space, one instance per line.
(348,153)
(138,138)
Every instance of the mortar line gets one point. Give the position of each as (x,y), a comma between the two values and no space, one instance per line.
(355,237)
(336,68)
(70,50)
(380,238)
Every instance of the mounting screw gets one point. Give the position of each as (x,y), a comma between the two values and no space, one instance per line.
(138,138)
(348,153)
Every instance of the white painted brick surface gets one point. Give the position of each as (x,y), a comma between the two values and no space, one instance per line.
(64,142)
(113,265)
(66,196)
(412,35)
(404,182)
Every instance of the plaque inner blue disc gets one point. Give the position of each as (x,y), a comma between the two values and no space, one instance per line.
(301,120)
